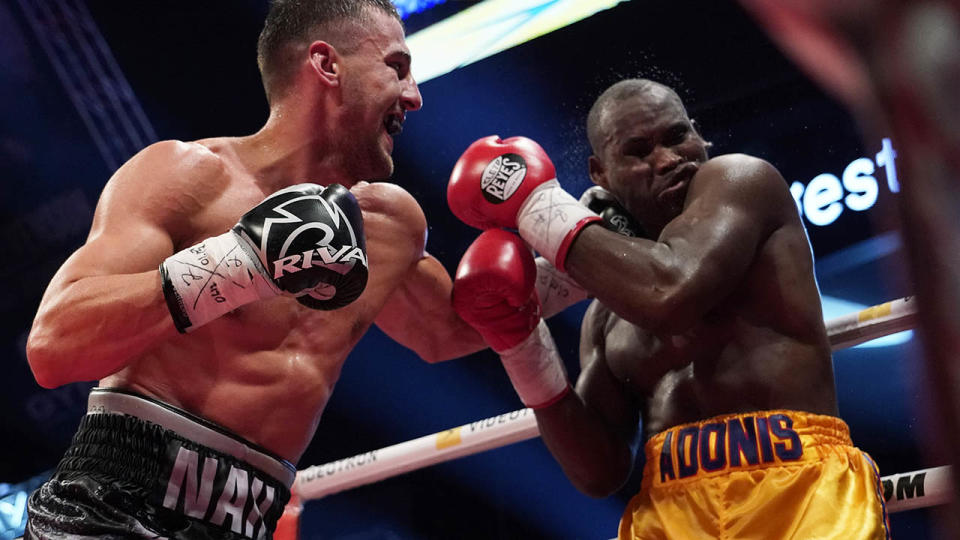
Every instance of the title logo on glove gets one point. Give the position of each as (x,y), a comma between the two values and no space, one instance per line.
(502,177)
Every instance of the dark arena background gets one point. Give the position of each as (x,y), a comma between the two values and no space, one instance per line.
(86,84)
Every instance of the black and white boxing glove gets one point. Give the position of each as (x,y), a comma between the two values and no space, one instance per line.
(615,217)
(305,241)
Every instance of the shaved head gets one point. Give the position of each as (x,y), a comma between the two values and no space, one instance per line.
(612,96)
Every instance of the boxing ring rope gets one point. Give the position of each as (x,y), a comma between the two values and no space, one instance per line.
(904,491)
(873,322)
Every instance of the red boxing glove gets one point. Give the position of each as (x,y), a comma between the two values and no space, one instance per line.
(494,292)
(493,178)
(512,183)
(494,289)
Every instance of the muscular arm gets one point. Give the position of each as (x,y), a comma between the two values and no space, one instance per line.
(417,312)
(593,431)
(666,285)
(419,315)
(104,307)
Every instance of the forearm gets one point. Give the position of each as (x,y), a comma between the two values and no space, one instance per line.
(453,339)
(432,329)
(635,278)
(595,458)
(95,326)
(419,315)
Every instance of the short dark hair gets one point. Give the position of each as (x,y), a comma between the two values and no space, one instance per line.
(292,24)
(612,95)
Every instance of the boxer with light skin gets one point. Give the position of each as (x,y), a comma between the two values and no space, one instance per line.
(708,332)
(246,324)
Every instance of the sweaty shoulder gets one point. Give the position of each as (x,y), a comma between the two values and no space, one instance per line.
(745,172)
(390,204)
(747,179)
(168,175)
(175,163)
(167,183)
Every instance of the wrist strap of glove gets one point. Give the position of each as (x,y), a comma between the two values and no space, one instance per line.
(550,219)
(209,279)
(536,370)
(557,291)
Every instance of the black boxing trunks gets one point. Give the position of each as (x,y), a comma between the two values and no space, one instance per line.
(139,468)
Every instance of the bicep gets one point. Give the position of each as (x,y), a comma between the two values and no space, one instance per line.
(134,248)
(152,195)
(715,240)
(711,247)
(126,237)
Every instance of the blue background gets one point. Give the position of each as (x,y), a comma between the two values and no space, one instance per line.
(191,67)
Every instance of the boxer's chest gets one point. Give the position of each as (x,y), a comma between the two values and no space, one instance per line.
(638,357)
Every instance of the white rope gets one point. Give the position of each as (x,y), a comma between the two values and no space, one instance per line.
(918,489)
(927,487)
(873,322)
(321,480)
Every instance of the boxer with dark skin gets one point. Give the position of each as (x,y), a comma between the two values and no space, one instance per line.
(721,312)
(338,91)
(708,332)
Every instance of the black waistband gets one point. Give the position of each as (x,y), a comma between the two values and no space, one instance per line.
(202,477)
(191,427)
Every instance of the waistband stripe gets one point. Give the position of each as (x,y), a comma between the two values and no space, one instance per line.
(111,401)
(739,441)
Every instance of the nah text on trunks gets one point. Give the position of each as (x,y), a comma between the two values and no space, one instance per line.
(729,444)
(217,492)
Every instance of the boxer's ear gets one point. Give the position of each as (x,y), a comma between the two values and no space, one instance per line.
(597,173)
(324,59)
(696,129)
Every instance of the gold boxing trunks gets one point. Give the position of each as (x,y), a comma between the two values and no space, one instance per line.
(762,475)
